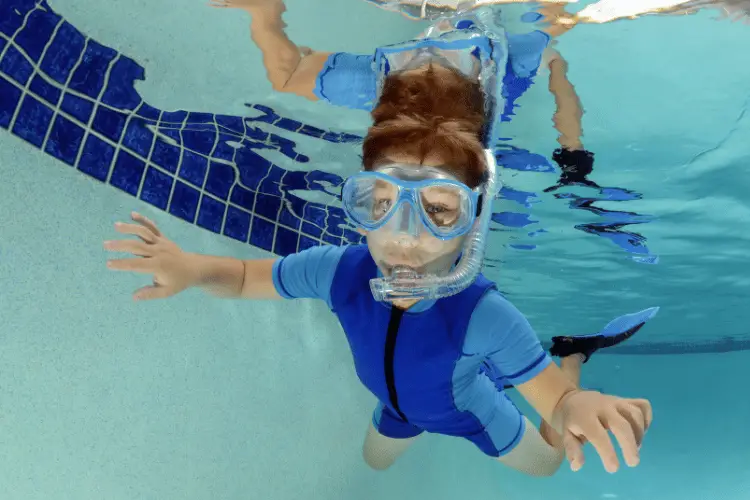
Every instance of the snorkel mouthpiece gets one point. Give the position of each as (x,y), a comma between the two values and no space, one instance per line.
(402,283)
(405,283)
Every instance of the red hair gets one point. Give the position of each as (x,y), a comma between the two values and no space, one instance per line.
(430,113)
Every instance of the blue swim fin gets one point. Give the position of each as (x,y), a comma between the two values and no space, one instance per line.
(618,330)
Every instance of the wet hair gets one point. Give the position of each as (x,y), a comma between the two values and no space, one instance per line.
(430,113)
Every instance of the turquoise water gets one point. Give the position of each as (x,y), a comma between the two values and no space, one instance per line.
(197,398)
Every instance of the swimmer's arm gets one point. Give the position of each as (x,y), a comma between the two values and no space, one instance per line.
(289,68)
(307,274)
(545,392)
(234,278)
(569,111)
(501,334)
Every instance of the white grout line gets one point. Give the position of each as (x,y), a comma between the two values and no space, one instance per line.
(201,191)
(88,128)
(118,146)
(25,89)
(43,76)
(257,192)
(146,161)
(11,40)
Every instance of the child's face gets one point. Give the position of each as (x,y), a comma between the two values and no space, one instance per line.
(420,250)
(425,254)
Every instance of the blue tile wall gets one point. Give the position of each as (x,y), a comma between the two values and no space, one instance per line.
(39,28)
(211,214)
(184,201)
(16,66)
(63,53)
(64,140)
(46,91)
(96,158)
(205,168)
(37,120)
(128,172)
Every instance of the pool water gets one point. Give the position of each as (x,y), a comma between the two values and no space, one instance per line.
(164,108)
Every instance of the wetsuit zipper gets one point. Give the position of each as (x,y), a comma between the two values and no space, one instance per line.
(390,353)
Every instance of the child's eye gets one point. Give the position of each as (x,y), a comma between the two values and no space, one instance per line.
(382,206)
(441,215)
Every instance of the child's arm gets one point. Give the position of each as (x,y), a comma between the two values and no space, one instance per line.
(234,278)
(174,270)
(306,274)
(501,335)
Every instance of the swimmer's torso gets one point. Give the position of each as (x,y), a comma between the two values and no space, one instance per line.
(417,365)
(435,366)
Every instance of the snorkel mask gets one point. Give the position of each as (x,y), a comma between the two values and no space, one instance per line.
(400,201)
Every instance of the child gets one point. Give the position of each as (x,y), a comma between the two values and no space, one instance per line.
(431,338)
(430,361)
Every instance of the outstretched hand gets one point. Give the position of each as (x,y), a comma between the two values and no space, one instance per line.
(155,254)
(590,416)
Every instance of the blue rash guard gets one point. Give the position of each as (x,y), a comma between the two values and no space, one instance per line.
(437,367)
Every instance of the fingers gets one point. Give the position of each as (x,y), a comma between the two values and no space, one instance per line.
(153,292)
(142,232)
(645,407)
(130,246)
(574,451)
(637,421)
(625,436)
(599,439)
(135,265)
(142,219)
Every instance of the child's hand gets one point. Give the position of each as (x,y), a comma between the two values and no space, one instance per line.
(157,255)
(589,415)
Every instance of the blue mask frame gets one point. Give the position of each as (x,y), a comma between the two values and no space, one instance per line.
(409,193)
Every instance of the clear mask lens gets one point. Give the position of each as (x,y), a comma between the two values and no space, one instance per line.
(444,207)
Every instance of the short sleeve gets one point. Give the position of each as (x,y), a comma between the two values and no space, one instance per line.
(502,335)
(307,274)
(348,80)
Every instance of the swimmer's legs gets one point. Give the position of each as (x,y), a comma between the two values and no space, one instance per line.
(380,452)
(289,68)
(280,55)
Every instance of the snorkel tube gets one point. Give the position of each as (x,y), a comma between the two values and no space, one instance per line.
(405,283)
